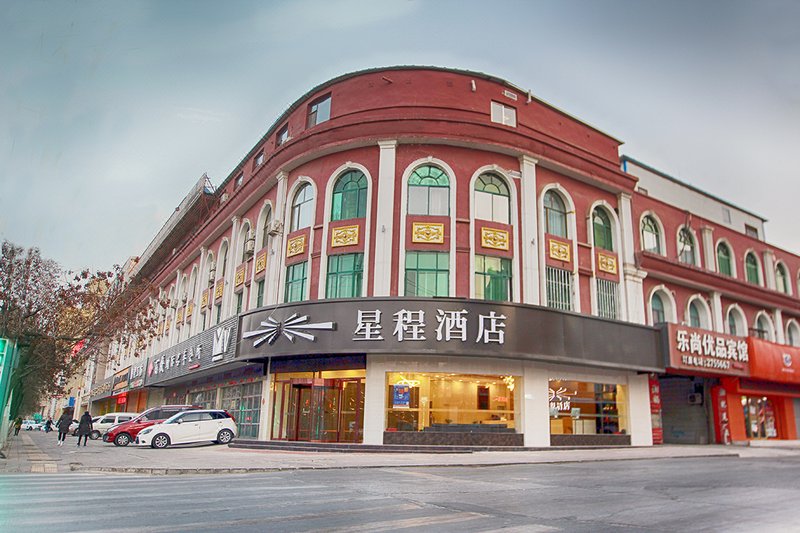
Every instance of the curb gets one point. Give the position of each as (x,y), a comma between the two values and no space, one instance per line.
(77,467)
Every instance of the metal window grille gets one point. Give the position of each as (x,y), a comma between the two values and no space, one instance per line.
(559,288)
(607,299)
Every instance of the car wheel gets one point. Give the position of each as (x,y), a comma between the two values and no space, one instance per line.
(160,441)
(123,439)
(224,436)
(94,435)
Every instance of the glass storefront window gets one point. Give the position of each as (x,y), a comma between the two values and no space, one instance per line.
(581,408)
(207,399)
(449,402)
(244,403)
(759,418)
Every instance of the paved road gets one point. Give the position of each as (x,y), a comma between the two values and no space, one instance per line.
(667,495)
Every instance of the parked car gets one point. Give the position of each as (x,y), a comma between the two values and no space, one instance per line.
(190,426)
(123,434)
(73,427)
(30,425)
(103,423)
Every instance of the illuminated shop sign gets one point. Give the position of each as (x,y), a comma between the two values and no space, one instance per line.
(445,326)
(707,352)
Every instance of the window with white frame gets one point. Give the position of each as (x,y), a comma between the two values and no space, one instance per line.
(781,279)
(492,199)
(793,334)
(503,114)
(559,288)
(651,235)
(657,309)
(429,191)
(282,135)
(303,208)
(686,251)
(751,268)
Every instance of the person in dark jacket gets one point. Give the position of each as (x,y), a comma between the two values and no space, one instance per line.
(63,426)
(17,425)
(84,428)
(48,426)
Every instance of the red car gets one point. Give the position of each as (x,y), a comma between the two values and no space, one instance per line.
(125,433)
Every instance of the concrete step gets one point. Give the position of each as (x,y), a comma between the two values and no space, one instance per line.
(361,448)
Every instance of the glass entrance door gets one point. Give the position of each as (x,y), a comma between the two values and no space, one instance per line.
(322,410)
(759,418)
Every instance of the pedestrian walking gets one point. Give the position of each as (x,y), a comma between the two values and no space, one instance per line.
(84,428)
(48,426)
(63,426)
(17,425)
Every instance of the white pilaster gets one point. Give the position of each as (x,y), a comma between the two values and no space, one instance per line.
(275,255)
(632,290)
(769,269)
(535,408)
(639,409)
(707,234)
(384,219)
(777,317)
(374,402)
(230,272)
(529,225)
(716,312)
(266,408)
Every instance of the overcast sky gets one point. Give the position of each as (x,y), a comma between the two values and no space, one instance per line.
(111,111)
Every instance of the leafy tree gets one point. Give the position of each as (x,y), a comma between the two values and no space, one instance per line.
(59,318)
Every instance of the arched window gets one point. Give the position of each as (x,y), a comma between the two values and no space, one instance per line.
(736,324)
(303,208)
(267,224)
(763,330)
(245,237)
(651,236)
(492,199)
(724,260)
(350,196)
(429,192)
(686,247)
(694,315)
(751,268)
(657,308)
(555,215)
(223,257)
(781,279)
(793,334)
(601,226)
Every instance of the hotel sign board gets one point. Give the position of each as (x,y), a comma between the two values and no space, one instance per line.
(446,326)
(699,351)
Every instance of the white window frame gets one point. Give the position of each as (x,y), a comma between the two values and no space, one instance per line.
(503,114)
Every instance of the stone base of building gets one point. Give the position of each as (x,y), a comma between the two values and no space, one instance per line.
(590,440)
(444,438)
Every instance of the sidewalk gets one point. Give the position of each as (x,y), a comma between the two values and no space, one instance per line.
(38,452)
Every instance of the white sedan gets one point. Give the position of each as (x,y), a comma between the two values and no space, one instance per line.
(190,426)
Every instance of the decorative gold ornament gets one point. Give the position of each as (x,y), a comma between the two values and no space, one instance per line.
(218,289)
(426,232)
(238,278)
(494,238)
(179,317)
(204,299)
(559,251)
(607,263)
(296,246)
(261,262)
(189,310)
(344,236)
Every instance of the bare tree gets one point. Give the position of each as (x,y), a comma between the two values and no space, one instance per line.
(56,317)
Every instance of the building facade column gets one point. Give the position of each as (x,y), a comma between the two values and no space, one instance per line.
(633,290)
(384,219)
(535,408)
(777,317)
(641,422)
(716,312)
(769,270)
(707,235)
(529,215)
(374,402)
(275,256)
(230,272)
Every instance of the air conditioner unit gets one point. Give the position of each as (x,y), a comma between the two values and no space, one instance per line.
(250,246)
(275,227)
(695,398)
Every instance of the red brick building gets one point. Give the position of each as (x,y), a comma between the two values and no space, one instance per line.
(422,255)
